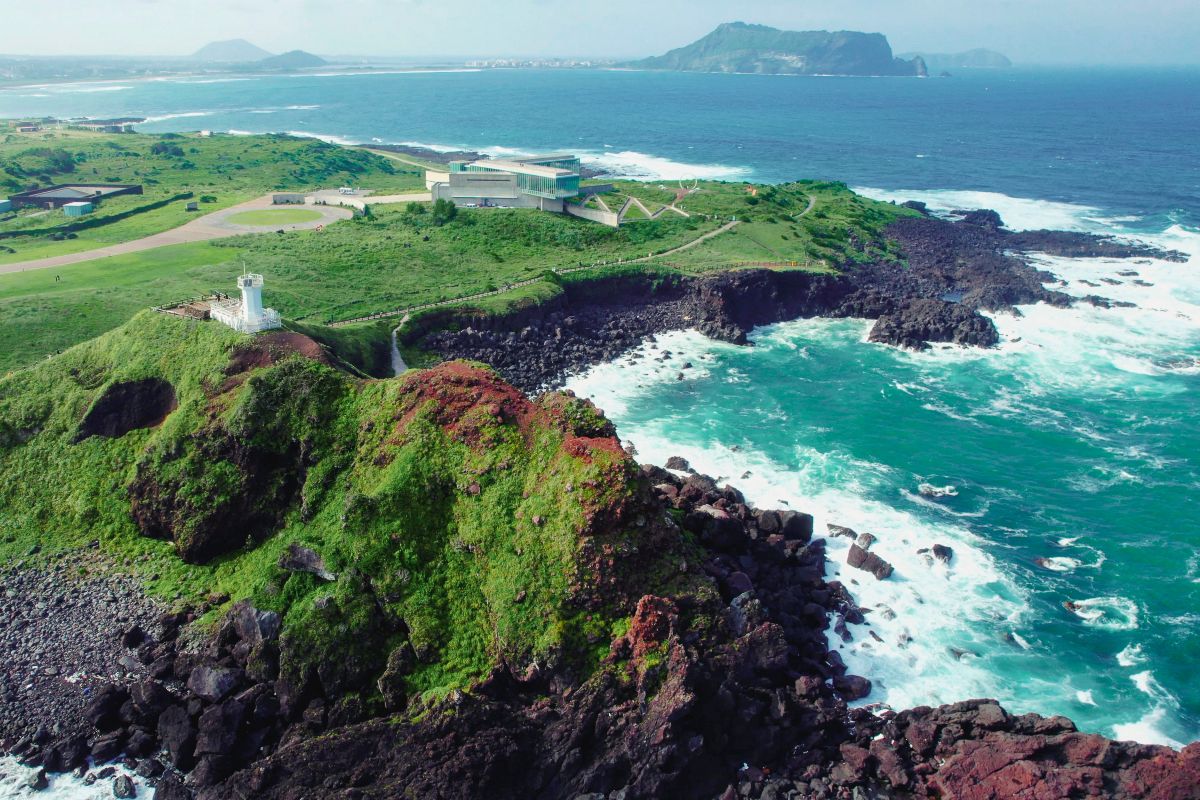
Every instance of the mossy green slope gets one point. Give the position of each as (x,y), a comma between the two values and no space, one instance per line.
(465,525)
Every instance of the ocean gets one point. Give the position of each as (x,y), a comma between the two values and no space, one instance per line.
(1060,466)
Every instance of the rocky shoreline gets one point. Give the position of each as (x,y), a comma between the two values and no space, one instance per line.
(726,682)
(733,695)
(953,270)
(65,637)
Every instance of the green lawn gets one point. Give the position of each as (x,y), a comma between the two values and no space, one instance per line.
(219,171)
(274,216)
(46,310)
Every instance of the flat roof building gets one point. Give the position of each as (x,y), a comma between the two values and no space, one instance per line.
(78,209)
(551,177)
(57,196)
(5,205)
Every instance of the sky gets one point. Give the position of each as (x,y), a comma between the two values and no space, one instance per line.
(1028,31)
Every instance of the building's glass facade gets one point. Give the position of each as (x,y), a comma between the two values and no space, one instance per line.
(533,180)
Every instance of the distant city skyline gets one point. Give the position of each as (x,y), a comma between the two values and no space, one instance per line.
(1028,31)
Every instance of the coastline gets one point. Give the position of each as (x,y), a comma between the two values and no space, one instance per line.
(972,259)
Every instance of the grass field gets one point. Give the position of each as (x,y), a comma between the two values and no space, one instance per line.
(219,171)
(402,256)
(274,216)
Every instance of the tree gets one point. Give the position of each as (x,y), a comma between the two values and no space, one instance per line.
(444,211)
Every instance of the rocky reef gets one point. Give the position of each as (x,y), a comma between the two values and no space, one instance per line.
(950,271)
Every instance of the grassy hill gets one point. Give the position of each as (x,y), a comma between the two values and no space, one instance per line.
(460,519)
(219,171)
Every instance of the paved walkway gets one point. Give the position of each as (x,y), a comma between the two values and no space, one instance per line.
(326,198)
(205,228)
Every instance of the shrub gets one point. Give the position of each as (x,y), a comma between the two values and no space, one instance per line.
(444,211)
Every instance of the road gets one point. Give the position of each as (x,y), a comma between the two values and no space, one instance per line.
(202,229)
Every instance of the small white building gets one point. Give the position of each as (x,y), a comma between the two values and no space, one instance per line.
(246,315)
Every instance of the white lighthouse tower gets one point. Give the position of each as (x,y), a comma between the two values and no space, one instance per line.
(247,315)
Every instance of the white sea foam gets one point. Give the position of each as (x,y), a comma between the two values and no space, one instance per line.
(200,81)
(1085,696)
(179,115)
(1113,613)
(1018,213)
(437,148)
(74,88)
(632,164)
(362,73)
(1060,564)
(14,778)
(1147,730)
(1131,656)
(331,138)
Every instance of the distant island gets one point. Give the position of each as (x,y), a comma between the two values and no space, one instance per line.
(230,51)
(242,53)
(293,59)
(742,48)
(978,58)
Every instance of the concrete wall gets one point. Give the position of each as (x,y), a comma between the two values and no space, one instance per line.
(498,185)
(608,218)
(600,188)
(432,177)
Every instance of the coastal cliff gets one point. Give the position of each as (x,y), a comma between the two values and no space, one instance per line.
(742,48)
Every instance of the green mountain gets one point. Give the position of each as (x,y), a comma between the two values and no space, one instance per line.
(293,59)
(739,47)
(230,51)
(441,514)
(979,58)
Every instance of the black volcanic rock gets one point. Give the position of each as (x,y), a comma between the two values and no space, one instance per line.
(916,323)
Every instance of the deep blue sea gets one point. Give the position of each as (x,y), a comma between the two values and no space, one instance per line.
(1062,465)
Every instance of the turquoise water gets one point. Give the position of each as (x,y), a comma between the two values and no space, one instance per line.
(1059,467)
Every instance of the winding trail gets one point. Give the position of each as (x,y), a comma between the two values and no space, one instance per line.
(406,313)
(398,365)
(206,228)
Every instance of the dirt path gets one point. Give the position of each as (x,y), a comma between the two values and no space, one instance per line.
(205,228)
(728,226)
(401,159)
(407,312)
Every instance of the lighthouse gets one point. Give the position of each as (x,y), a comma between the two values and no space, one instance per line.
(248,314)
(251,286)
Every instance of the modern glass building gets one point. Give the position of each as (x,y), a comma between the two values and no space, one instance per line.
(554,177)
